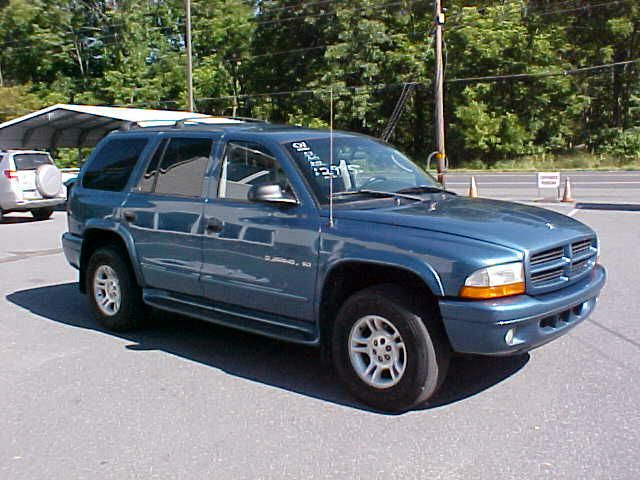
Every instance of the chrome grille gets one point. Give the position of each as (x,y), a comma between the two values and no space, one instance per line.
(542,277)
(547,256)
(554,268)
(579,266)
(580,247)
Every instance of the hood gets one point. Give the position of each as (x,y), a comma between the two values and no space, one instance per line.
(513,225)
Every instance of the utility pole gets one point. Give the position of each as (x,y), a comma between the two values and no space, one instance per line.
(190,101)
(439,92)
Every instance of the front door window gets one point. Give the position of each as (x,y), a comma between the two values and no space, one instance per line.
(246,165)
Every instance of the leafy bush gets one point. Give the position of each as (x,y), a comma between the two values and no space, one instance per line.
(623,144)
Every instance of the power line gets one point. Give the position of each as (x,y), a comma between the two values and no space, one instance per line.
(315,91)
(522,76)
(228,27)
(513,8)
(293,7)
(381,86)
(333,12)
(577,9)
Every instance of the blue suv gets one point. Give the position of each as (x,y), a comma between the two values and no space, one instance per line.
(324,238)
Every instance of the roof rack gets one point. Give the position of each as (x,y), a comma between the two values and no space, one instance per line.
(128,125)
(248,119)
(181,123)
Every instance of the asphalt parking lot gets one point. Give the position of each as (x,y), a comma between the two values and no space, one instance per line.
(185,399)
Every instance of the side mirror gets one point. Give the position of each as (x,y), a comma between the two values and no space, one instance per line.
(271,193)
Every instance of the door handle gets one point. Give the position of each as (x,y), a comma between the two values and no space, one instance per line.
(129,216)
(214,225)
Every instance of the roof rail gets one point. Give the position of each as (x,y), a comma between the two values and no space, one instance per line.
(249,119)
(128,125)
(181,123)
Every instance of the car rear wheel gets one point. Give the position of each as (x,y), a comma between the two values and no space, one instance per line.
(115,299)
(42,213)
(390,351)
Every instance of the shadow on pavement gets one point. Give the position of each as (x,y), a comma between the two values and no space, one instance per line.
(288,366)
(13,220)
(623,207)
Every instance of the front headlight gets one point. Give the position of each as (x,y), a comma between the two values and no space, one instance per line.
(496,281)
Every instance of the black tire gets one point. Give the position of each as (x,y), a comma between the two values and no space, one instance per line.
(1,216)
(132,312)
(42,213)
(427,347)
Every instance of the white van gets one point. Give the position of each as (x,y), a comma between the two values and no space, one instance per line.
(29,181)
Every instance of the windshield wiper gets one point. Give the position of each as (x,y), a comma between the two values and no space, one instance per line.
(423,189)
(378,193)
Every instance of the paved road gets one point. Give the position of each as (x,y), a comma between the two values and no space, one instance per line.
(184,399)
(615,187)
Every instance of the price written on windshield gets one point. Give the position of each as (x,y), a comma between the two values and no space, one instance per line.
(320,168)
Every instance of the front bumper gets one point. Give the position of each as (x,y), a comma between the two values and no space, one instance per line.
(480,327)
(72,247)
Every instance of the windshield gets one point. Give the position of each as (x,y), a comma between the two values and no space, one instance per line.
(359,163)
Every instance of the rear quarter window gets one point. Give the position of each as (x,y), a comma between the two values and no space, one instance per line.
(178,167)
(31,161)
(111,168)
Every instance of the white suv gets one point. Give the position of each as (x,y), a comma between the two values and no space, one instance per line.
(29,181)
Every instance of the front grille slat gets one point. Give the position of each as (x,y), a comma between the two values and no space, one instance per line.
(580,266)
(547,256)
(580,247)
(553,268)
(544,277)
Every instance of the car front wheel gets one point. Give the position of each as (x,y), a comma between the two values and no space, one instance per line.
(389,349)
(114,297)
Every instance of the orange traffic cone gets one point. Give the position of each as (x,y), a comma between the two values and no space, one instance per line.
(473,188)
(566,197)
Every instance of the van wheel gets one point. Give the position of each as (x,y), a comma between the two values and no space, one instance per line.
(42,213)
(115,299)
(391,352)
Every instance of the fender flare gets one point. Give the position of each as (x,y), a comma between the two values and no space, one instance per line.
(412,265)
(97,225)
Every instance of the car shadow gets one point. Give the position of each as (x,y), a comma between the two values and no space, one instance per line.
(291,367)
(14,220)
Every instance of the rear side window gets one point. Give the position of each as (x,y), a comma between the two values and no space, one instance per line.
(178,167)
(112,166)
(31,161)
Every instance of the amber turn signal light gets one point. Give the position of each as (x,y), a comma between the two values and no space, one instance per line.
(483,293)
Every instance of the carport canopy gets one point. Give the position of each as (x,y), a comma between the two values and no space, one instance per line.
(78,126)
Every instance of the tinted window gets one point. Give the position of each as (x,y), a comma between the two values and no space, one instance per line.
(183,167)
(31,161)
(148,180)
(112,166)
(246,165)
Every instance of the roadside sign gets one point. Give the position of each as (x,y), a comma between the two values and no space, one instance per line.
(548,180)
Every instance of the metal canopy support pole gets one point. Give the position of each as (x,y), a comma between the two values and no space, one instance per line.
(190,101)
(439,92)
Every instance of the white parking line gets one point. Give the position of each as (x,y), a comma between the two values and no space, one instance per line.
(573,212)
